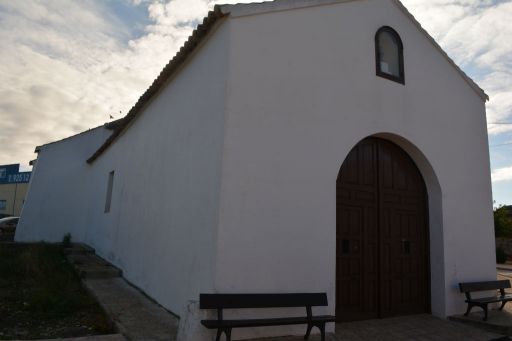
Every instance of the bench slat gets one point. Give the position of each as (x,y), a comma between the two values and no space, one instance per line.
(492,299)
(484,286)
(241,301)
(213,324)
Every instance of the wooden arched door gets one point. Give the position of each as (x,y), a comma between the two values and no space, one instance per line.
(382,249)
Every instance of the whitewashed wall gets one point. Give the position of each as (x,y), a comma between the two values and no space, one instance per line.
(302,93)
(56,202)
(162,226)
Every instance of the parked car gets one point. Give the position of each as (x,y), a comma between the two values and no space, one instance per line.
(8,225)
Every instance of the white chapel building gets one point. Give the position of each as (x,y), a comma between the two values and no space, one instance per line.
(290,146)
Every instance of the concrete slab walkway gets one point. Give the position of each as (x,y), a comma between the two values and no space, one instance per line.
(497,321)
(410,328)
(136,316)
(504,267)
(112,337)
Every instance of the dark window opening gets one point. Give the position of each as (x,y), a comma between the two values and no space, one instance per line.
(110,185)
(389,55)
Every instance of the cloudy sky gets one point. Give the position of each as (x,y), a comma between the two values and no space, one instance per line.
(65,66)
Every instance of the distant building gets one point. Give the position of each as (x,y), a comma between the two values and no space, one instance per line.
(13,187)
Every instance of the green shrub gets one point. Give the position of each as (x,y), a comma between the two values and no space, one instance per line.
(502,222)
(66,240)
(501,256)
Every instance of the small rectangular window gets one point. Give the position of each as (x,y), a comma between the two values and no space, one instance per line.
(3,205)
(110,185)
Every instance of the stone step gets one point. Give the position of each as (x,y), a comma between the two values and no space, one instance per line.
(87,259)
(98,272)
(89,265)
(136,316)
(79,249)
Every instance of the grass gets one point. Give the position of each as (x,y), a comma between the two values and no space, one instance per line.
(42,297)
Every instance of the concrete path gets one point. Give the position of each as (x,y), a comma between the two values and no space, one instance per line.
(498,321)
(407,328)
(136,316)
(504,273)
(504,267)
(112,337)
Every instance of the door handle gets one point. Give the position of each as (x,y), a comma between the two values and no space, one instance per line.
(406,247)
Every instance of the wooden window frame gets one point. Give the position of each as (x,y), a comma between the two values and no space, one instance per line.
(401,78)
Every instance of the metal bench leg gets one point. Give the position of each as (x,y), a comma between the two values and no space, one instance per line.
(228,334)
(322,331)
(485,311)
(226,331)
(470,306)
(503,304)
(219,333)
(308,331)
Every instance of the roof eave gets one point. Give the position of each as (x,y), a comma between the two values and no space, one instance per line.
(246,9)
(193,42)
(479,91)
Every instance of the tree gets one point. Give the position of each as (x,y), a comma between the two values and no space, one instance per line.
(502,222)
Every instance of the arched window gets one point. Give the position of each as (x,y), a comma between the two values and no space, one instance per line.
(389,55)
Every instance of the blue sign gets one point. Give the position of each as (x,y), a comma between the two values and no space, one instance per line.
(10,174)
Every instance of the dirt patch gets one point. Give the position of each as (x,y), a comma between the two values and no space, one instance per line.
(41,296)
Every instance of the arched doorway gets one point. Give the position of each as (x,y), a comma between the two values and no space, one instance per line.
(382,242)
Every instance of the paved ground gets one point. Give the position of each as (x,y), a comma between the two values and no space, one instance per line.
(410,328)
(139,318)
(113,337)
(504,272)
(498,321)
(136,316)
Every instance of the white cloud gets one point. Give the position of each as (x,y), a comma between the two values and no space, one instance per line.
(502,174)
(66,65)
(476,34)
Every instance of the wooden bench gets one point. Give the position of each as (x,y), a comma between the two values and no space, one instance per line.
(469,287)
(246,301)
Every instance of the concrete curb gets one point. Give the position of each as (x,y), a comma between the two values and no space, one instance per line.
(109,337)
